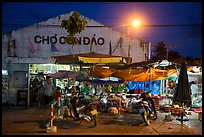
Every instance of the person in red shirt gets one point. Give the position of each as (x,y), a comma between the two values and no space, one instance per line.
(58,93)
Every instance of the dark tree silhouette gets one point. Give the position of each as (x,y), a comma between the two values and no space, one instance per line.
(160,51)
(173,54)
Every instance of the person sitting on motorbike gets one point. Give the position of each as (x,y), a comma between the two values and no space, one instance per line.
(73,101)
(146,96)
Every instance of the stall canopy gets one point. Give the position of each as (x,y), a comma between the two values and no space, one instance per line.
(103,82)
(100,72)
(91,58)
(141,64)
(132,74)
(64,74)
(181,60)
(69,74)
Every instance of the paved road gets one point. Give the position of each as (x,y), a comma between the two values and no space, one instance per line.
(33,120)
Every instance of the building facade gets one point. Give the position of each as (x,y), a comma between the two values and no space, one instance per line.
(36,44)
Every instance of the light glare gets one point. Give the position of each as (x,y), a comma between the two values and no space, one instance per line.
(136,23)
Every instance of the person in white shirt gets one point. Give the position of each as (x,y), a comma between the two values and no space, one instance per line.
(194,90)
(49,90)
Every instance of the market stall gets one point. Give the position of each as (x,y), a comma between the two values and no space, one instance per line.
(89,58)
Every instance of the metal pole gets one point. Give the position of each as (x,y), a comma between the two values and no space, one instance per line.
(150,78)
(120,101)
(149,50)
(51,114)
(167,54)
(58,106)
(28,93)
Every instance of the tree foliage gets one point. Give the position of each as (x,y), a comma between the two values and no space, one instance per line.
(173,54)
(161,52)
(75,24)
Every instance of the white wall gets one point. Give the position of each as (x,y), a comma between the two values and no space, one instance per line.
(32,36)
(12,93)
(25,38)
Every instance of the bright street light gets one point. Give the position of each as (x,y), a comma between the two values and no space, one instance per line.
(136,23)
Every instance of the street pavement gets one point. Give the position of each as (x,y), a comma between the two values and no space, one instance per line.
(19,120)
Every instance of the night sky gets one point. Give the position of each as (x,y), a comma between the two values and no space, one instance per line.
(158,17)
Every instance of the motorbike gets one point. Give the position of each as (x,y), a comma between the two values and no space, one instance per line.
(84,110)
(144,111)
(142,107)
(104,104)
(137,105)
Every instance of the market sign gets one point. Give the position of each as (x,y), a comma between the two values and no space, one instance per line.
(55,39)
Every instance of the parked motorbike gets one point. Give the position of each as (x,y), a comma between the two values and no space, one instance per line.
(144,111)
(83,110)
(146,96)
(104,104)
(142,107)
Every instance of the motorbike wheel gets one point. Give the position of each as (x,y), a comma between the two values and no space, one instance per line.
(155,116)
(95,120)
(146,117)
(89,121)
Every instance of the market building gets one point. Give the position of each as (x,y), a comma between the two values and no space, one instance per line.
(37,43)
